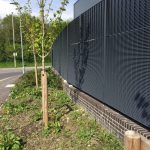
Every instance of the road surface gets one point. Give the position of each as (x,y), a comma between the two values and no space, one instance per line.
(8,78)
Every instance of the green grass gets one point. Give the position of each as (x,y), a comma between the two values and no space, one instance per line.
(19,64)
(70,127)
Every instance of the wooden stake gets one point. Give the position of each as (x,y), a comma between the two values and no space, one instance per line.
(42,86)
(44,98)
(46,101)
(132,140)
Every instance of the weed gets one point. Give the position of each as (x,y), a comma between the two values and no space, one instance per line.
(53,127)
(10,141)
(74,115)
(4,118)
(25,84)
(54,114)
(27,92)
(10,108)
(63,99)
(46,132)
(109,140)
(85,134)
(54,81)
(37,116)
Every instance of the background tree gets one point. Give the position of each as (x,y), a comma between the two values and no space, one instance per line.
(6,40)
(32,28)
(53,27)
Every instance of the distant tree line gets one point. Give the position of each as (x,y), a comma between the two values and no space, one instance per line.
(6,36)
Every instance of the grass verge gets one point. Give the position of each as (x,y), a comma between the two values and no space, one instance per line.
(70,127)
(19,64)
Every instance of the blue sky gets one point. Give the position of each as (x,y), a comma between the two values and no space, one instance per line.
(6,8)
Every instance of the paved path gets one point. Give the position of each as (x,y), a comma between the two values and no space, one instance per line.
(7,79)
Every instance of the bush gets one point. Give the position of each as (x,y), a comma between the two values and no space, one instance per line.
(9,141)
(53,80)
(28,80)
(25,81)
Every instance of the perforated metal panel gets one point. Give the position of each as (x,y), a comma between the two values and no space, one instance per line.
(105,52)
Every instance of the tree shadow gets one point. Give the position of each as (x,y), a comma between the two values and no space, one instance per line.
(81,55)
(144,105)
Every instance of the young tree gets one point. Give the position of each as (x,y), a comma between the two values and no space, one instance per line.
(42,39)
(57,15)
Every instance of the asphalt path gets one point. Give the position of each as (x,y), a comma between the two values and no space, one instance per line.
(8,77)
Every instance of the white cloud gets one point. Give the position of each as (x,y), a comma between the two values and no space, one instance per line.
(69,13)
(6,8)
(67,16)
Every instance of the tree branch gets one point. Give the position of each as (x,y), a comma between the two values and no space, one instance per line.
(48,10)
(39,55)
(38,2)
(47,54)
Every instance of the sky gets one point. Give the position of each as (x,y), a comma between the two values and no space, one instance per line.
(6,8)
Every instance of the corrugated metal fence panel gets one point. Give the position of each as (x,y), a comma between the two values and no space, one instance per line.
(60,53)
(90,70)
(64,52)
(128,58)
(73,49)
(55,55)
(112,66)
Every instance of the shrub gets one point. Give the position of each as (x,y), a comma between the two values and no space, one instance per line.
(53,80)
(28,81)
(9,141)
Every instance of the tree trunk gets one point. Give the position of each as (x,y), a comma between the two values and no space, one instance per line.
(43,75)
(43,32)
(35,68)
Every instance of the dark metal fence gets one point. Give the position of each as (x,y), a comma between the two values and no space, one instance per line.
(105,52)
